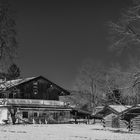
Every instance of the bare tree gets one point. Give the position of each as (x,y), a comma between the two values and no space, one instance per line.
(134,70)
(126,32)
(8,40)
(126,81)
(117,81)
(103,85)
(113,85)
(89,80)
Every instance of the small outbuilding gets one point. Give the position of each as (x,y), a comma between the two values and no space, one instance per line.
(109,116)
(132,116)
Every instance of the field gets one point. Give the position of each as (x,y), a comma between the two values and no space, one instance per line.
(63,132)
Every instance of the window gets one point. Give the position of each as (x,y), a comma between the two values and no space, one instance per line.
(44,114)
(35,114)
(25,114)
(11,95)
(35,87)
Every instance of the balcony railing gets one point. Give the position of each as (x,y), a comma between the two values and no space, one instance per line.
(31,102)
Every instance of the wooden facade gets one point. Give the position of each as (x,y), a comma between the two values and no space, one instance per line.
(42,115)
(33,88)
(110,116)
(34,100)
(114,121)
(132,116)
(135,123)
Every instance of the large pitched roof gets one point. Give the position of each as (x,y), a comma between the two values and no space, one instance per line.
(119,108)
(13,83)
(130,112)
(106,110)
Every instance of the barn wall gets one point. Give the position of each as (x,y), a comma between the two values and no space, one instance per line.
(114,121)
(111,120)
(108,120)
(36,89)
(40,116)
(136,123)
(123,124)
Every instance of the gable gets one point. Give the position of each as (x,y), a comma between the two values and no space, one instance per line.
(110,116)
(130,112)
(110,109)
(25,81)
(118,108)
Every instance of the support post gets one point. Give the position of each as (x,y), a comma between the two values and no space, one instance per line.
(75,117)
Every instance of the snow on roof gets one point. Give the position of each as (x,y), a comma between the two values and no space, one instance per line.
(12,83)
(119,108)
(97,109)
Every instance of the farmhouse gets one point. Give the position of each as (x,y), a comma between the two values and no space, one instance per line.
(109,115)
(32,100)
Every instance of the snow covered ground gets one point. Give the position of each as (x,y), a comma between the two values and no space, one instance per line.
(62,132)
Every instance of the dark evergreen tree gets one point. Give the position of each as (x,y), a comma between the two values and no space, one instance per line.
(13,72)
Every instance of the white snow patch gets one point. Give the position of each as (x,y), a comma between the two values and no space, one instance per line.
(62,132)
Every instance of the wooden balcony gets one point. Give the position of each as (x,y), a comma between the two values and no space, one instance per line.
(30,102)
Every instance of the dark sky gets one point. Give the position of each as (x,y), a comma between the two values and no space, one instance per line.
(56,36)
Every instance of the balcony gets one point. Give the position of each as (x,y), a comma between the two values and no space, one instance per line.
(6,101)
